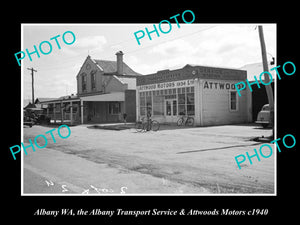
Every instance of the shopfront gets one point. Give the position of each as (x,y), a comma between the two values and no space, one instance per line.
(207,94)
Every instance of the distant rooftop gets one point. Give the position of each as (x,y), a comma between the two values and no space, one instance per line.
(110,67)
(255,69)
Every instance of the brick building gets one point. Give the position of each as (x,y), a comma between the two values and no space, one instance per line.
(105,91)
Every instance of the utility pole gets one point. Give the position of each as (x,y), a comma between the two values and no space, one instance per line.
(32,82)
(266,77)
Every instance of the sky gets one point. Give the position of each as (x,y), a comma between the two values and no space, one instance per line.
(217,45)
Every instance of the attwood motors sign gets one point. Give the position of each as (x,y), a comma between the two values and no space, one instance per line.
(166,85)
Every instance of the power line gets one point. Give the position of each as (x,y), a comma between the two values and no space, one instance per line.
(32,82)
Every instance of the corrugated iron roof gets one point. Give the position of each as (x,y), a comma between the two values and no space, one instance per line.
(111,67)
(131,82)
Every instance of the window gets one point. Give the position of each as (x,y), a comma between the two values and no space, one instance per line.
(146,101)
(158,105)
(181,99)
(142,103)
(190,103)
(186,101)
(83,81)
(93,79)
(181,102)
(114,108)
(233,101)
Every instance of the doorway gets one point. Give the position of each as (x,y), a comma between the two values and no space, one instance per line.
(171,110)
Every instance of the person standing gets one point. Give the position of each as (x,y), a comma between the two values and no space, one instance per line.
(149,118)
(124,118)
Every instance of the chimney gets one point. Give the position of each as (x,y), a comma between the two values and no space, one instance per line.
(119,55)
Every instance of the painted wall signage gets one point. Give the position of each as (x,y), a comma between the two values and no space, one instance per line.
(167,85)
(219,85)
(192,72)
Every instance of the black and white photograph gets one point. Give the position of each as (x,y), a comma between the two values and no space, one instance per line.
(144,109)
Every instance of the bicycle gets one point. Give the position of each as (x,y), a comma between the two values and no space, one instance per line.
(185,120)
(144,125)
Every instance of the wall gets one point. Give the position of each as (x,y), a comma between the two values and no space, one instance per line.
(97,112)
(87,67)
(104,83)
(113,84)
(216,103)
(130,105)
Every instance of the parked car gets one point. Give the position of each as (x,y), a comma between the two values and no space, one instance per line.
(34,116)
(43,119)
(263,117)
(28,118)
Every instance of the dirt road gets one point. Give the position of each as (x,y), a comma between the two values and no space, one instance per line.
(170,161)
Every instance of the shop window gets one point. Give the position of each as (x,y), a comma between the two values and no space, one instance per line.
(148,101)
(233,101)
(190,100)
(181,99)
(190,110)
(170,96)
(142,111)
(186,101)
(181,102)
(145,101)
(181,110)
(114,108)
(158,105)
(142,103)
(190,104)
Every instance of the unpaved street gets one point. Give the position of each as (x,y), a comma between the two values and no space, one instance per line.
(171,161)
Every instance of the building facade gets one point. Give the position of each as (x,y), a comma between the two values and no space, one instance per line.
(206,93)
(106,91)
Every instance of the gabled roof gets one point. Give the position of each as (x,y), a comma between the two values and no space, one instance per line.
(110,67)
(29,106)
(38,100)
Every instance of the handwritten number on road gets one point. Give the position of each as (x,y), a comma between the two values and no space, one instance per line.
(64,188)
(49,183)
(87,191)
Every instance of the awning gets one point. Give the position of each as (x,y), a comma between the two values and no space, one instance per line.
(111,97)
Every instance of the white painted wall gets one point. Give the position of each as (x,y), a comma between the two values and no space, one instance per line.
(216,103)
